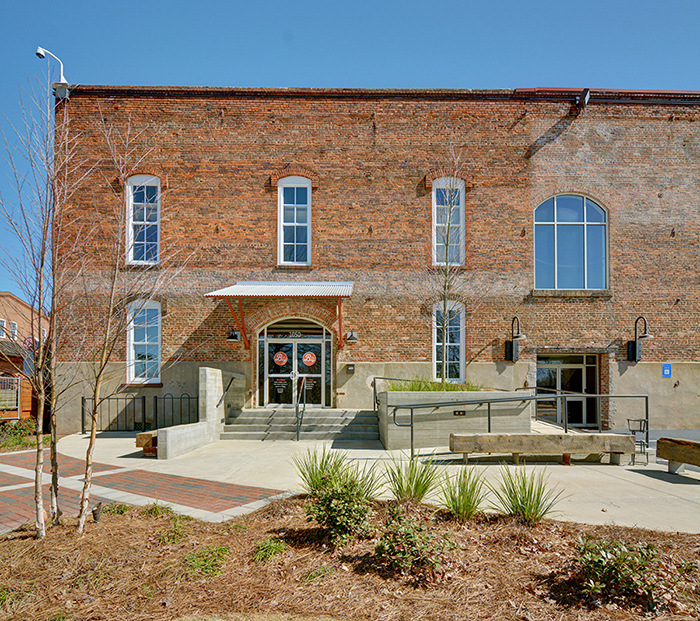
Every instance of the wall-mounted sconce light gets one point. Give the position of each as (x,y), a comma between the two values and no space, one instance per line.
(512,346)
(351,338)
(634,348)
(233,336)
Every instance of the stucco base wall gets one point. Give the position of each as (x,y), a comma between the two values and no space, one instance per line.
(433,426)
(674,403)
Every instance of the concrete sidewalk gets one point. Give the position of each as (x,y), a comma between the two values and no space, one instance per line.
(643,496)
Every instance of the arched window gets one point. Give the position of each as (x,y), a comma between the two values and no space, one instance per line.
(143,220)
(294,229)
(143,341)
(448,221)
(571,244)
(448,336)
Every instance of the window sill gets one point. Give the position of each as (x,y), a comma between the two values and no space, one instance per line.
(294,267)
(571,293)
(141,266)
(135,385)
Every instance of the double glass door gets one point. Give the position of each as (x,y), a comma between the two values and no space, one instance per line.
(568,374)
(287,362)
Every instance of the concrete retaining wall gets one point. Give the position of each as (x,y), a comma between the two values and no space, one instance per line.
(174,441)
(434,426)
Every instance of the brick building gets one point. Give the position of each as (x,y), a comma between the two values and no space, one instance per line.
(315,225)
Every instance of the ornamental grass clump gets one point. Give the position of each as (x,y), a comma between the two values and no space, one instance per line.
(524,496)
(411,480)
(421,384)
(463,494)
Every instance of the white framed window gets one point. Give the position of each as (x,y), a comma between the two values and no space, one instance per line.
(13,330)
(143,220)
(143,342)
(43,333)
(571,244)
(448,221)
(451,326)
(3,325)
(294,221)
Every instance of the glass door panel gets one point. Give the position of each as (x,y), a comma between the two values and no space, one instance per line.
(280,364)
(547,379)
(309,363)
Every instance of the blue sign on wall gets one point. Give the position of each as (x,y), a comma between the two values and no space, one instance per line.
(665,370)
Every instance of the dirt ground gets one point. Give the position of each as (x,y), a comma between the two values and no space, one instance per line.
(133,566)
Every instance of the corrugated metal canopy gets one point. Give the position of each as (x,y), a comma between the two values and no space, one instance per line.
(251,289)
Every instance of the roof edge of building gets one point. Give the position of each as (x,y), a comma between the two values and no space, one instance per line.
(519,94)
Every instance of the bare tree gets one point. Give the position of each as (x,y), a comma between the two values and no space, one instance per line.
(41,158)
(112,292)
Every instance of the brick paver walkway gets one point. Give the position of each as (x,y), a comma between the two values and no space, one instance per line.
(206,500)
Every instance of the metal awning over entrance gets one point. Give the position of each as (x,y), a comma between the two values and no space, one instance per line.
(276,289)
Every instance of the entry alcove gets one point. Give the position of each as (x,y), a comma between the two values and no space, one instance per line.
(289,350)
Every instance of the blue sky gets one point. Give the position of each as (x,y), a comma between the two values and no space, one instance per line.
(639,44)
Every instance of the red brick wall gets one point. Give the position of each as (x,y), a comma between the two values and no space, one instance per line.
(217,155)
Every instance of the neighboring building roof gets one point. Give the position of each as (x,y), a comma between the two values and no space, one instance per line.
(252,289)
(11,349)
(597,95)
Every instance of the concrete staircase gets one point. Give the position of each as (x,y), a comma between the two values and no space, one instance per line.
(319,424)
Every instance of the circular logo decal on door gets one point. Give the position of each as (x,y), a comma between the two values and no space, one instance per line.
(280,358)
(309,359)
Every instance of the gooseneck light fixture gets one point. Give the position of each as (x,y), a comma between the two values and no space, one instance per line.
(512,346)
(61,91)
(634,348)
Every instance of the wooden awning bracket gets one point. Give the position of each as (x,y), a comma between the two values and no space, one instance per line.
(240,323)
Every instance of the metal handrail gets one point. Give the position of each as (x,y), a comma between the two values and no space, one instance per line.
(489,400)
(374,388)
(301,386)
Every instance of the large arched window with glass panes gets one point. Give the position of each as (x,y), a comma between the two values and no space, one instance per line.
(571,243)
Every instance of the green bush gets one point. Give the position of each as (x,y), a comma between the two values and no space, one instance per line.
(268,548)
(115,508)
(19,434)
(524,496)
(341,508)
(324,468)
(317,468)
(463,494)
(612,571)
(156,510)
(412,479)
(207,562)
(421,384)
(405,545)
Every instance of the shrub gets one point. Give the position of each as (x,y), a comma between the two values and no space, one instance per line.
(156,510)
(115,508)
(317,468)
(206,562)
(408,547)
(524,496)
(268,548)
(340,508)
(463,494)
(628,574)
(421,384)
(412,479)
(331,468)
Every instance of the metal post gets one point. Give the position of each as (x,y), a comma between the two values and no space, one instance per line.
(600,414)
(155,412)
(488,404)
(83,407)
(646,415)
(412,425)
(565,413)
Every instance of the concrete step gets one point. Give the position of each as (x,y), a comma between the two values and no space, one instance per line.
(345,426)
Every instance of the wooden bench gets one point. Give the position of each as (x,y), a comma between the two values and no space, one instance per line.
(678,452)
(564,444)
(148,441)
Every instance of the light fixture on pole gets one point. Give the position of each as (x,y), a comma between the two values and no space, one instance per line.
(351,338)
(512,346)
(61,91)
(634,348)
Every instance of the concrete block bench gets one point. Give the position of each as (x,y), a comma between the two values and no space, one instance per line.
(148,441)
(678,453)
(564,444)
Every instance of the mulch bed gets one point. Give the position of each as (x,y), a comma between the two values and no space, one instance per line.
(124,568)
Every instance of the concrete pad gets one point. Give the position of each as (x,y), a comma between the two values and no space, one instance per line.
(643,496)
